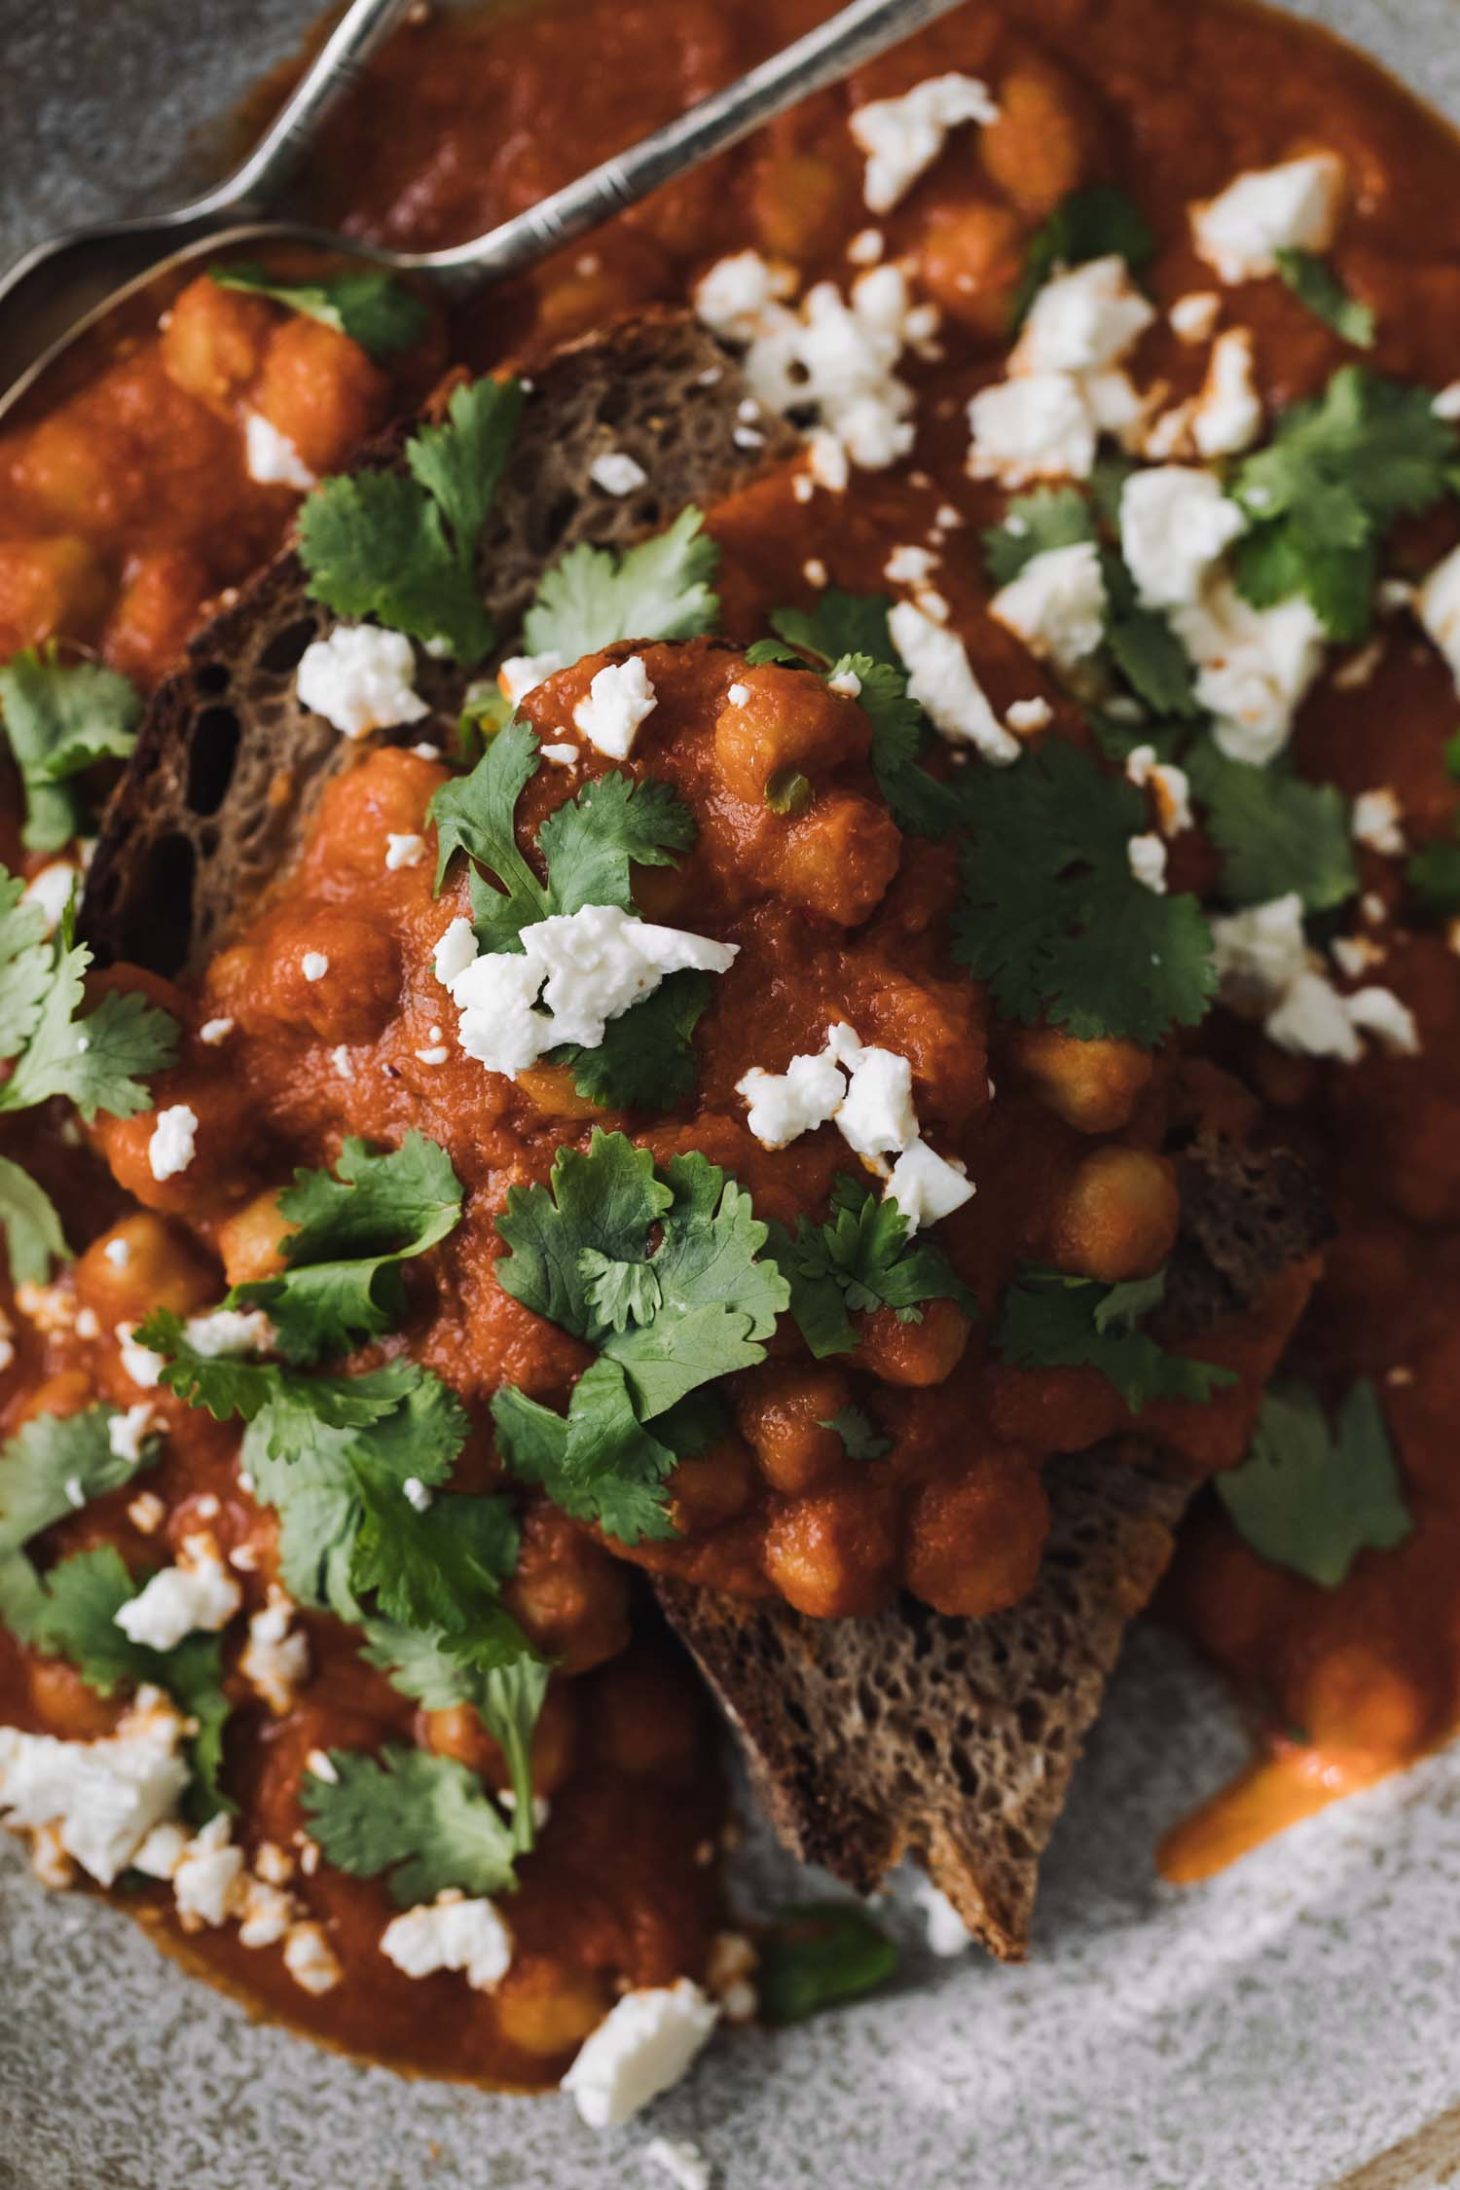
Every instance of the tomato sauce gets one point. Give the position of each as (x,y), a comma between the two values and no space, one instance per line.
(129,504)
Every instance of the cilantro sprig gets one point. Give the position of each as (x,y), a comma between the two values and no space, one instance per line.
(372,307)
(814,1957)
(1313,1492)
(1051,1321)
(1096,222)
(1316,286)
(60,718)
(51,1467)
(1052,917)
(401,547)
(1275,832)
(492,1671)
(595,597)
(857,1261)
(861,1440)
(661,1273)
(423,1819)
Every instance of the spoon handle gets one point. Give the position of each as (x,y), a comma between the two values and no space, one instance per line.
(857,33)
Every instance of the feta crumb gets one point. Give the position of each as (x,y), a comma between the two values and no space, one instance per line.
(1254,666)
(230,1331)
(1265,967)
(403,849)
(620,698)
(264,1914)
(270,457)
(314,965)
(310,1960)
(928,1187)
(561,755)
(902,137)
(732,1966)
(1294,206)
(208,1876)
(147,1513)
(738,695)
(947,1933)
(1379,1012)
(118,1253)
(1437,604)
(1038,427)
(139,1362)
(437,1054)
(684,2164)
(197,1593)
(877,1118)
(162,1851)
(1228,416)
(343,1063)
(275,1865)
(846,684)
(523,673)
(417,1493)
(126,1433)
(784,1105)
(734,297)
(1175,526)
(1260,952)
(173,1142)
(1083,321)
(867,247)
(618,473)
(1447,403)
(360,679)
(451,1933)
(1194,317)
(909,566)
(50,892)
(647,2042)
(941,680)
(1377,821)
(827,461)
(1169,785)
(213,1032)
(1057,605)
(814,571)
(1024,717)
(102,1797)
(275,1659)
(1147,856)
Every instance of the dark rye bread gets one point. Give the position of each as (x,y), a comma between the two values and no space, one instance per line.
(229,764)
(953,1741)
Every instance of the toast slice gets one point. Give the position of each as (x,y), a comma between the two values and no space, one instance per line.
(950,1740)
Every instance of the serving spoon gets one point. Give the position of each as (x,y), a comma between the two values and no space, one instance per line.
(62,288)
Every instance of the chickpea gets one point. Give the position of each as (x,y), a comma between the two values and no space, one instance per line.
(784,1412)
(550,1088)
(914,1354)
(157,608)
(321,391)
(250,1243)
(1093,1086)
(71,1710)
(1118,1216)
(802,204)
(711,1489)
(458,1732)
(355,995)
(214,340)
(970,261)
(81,477)
(1037,149)
(55,588)
(788,721)
(544,2007)
(838,858)
(67,1392)
(831,1555)
(974,1546)
(569,1596)
(144,1262)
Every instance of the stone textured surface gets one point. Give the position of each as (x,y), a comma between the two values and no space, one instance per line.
(1275,2029)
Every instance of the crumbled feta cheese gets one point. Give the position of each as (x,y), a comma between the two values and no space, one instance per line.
(1265,967)
(310,1960)
(274,1864)
(909,566)
(341,1060)
(902,137)
(50,892)
(451,1933)
(403,849)
(275,1659)
(1310,1020)
(1169,785)
(118,1253)
(1228,416)
(139,1362)
(206,1883)
(620,698)
(230,1331)
(684,2164)
(815,572)
(877,1118)
(1194,317)
(941,680)
(173,1141)
(270,457)
(1175,526)
(1291,207)
(575,972)
(561,755)
(102,1797)
(1379,1012)
(1024,717)
(867,247)
(784,1105)
(456,950)
(264,1914)
(417,1494)
(1262,951)
(846,684)
(1083,321)
(1447,403)
(162,1851)
(199,1592)
(947,1933)
(1037,427)
(647,2042)
(1147,856)
(616,472)
(1377,821)
(314,965)
(1057,605)
(1437,604)
(360,679)
(213,1032)
(523,673)
(927,1187)
(147,1513)
(735,296)
(1254,666)
(126,1433)
(437,1054)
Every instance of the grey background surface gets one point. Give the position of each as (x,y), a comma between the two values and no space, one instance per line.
(1273,2030)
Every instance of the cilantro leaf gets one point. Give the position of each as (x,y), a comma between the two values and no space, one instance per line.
(476,814)
(593,598)
(1144,648)
(55,1464)
(598,1463)
(1275,832)
(646,1060)
(1312,1494)
(343,1283)
(98,1061)
(1053,1321)
(1433,873)
(493,1672)
(1096,222)
(1320,497)
(1052,917)
(813,1957)
(424,1819)
(605,1199)
(1315,284)
(1036,524)
(372,307)
(31,1225)
(60,718)
(859,1436)
(859,1260)
(403,548)
(614,823)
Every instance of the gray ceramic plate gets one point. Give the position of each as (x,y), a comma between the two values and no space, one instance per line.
(1289,2027)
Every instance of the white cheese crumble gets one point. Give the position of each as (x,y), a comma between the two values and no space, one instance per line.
(1294,206)
(173,1141)
(947,1933)
(275,1659)
(1254,666)
(1175,526)
(450,1933)
(49,892)
(867,247)
(230,1331)
(147,1513)
(575,972)
(648,2041)
(360,679)
(685,2164)
(214,1032)
(403,849)
(1037,427)
(1169,785)
(910,566)
(902,137)
(620,699)
(102,1798)
(618,473)
(1194,317)
(126,1433)
(784,1105)
(1228,416)
(1266,970)
(927,1187)
(1147,856)
(941,680)
(1377,821)
(1057,605)
(1083,321)
(314,965)
(208,1878)
(1437,605)
(310,1959)
(1024,717)
(197,1593)
(270,457)
(1447,403)
(140,1363)
(523,673)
